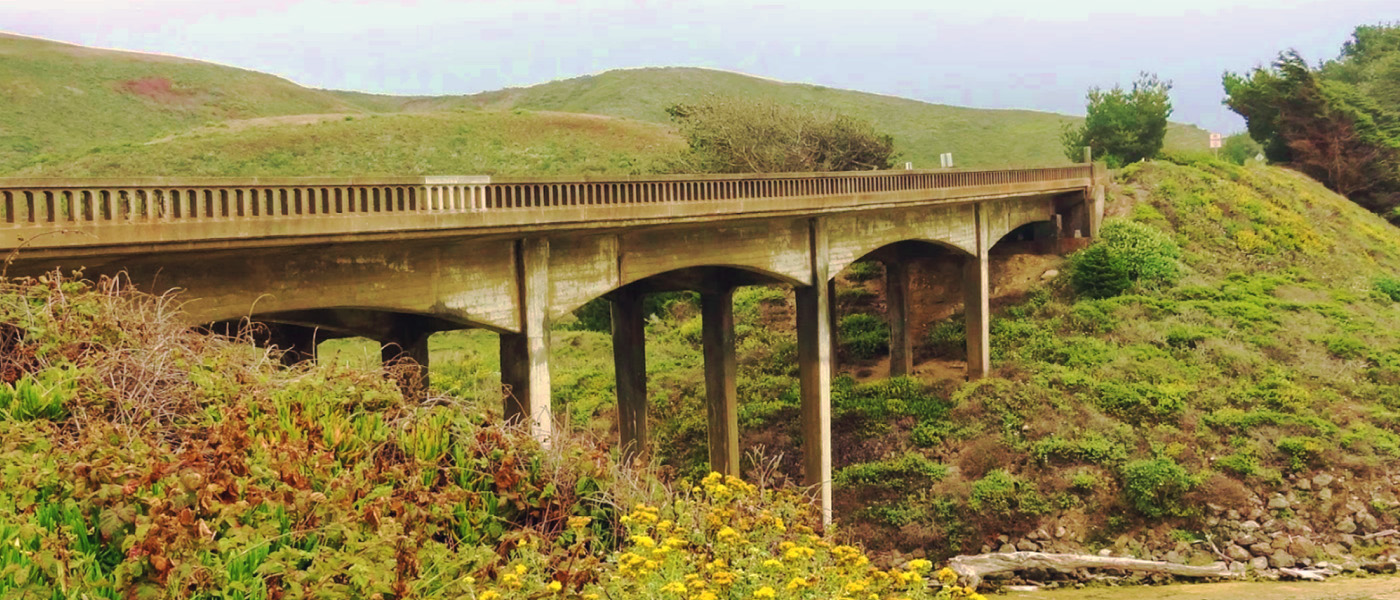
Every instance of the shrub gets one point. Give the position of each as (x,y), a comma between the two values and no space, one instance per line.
(865,270)
(864,336)
(1002,493)
(1091,448)
(948,339)
(1189,336)
(1157,487)
(1141,402)
(1240,463)
(1302,451)
(891,472)
(1126,253)
(1097,272)
(1389,287)
(739,135)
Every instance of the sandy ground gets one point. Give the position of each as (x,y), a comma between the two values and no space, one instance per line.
(1371,588)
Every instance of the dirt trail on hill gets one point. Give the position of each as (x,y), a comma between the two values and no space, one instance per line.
(242,124)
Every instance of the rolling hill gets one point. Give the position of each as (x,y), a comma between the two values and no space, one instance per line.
(74,110)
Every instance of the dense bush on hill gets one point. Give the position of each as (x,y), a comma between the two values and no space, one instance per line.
(1122,126)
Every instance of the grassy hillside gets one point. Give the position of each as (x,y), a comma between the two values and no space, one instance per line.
(464,141)
(66,101)
(61,98)
(976,137)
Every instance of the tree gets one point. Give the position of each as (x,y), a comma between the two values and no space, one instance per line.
(739,135)
(1122,126)
(1323,125)
(1239,148)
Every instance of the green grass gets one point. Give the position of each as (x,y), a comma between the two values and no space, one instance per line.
(476,142)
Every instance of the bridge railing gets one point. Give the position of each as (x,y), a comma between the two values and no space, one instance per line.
(38,203)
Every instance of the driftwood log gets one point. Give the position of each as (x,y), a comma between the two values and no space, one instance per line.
(971,569)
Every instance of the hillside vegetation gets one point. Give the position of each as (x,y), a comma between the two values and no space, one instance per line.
(1249,399)
(65,102)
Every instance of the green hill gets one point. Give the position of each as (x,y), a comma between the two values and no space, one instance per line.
(976,137)
(86,111)
(61,98)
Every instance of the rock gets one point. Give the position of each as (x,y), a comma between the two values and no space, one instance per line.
(1259,563)
(1280,559)
(1233,515)
(1174,558)
(986,549)
(1250,525)
(1212,521)
(1322,480)
(1261,549)
(1235,552)
(1246,540)
(1324,494)
(1346,525)
(1007,549)
(1333,549)
(1003,539)
(1027,545)
(1061,531)
(1277,502)
(1050,274)
(1303,484)
(1302,547)
(1273,526)
(1348,540)
(1105,552)
(1366,522)
(1214,508)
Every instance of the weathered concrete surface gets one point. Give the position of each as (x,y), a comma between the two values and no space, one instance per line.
(721,379)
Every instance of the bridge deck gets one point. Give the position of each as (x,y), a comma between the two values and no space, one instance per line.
(47,216)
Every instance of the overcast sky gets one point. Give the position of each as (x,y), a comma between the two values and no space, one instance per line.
(1036,54)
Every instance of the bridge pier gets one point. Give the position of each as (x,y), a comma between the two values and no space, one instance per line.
(525,355)
(721,383)
(977,303)
(815,358)
(630,365)
(897,288)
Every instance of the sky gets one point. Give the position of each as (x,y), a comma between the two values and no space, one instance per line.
(1030,54)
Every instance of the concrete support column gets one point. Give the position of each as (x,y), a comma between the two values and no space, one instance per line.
(525,355)
(976,304)
(897,287)
(833,330)
(412,345)
(814,358)
(721,387)
(630,364)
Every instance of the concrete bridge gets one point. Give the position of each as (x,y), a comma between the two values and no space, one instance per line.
(397,259)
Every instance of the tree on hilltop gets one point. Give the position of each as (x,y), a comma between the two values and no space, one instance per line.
(1122,126)
(740,135)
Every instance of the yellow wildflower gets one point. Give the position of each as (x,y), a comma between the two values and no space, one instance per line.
(705,595)
(644,541)
(579,522)
(773,563)
(855,587)
(727,534)
(520,569)
(946,576)
(797,583)
(674,587)
(765,592)
(724,578)
(555,586)
(489,595)
(919,565)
